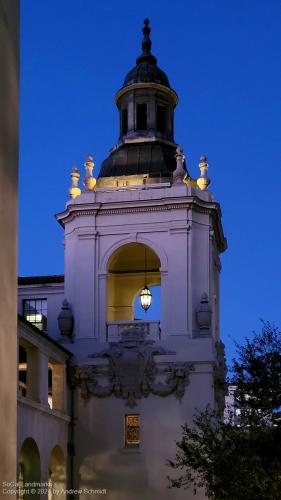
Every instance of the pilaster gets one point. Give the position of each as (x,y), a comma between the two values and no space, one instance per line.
(37,375)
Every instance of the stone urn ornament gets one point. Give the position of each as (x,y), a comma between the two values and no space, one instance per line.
(203,313)
(203,181)
(65,320)
(89,181)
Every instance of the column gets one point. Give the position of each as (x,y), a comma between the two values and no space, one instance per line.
(102,307)
(59,387)
(37,375)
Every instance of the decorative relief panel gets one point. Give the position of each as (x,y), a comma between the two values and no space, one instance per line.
(132,372)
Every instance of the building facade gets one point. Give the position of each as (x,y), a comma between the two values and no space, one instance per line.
(144,222)
(43,414)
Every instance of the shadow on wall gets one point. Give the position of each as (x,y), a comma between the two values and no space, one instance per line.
(112,471)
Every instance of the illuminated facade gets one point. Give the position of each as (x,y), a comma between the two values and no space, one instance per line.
(144,222)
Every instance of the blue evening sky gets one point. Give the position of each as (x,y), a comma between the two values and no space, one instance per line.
(223,59)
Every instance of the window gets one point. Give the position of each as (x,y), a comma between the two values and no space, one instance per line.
(141,116)
(161,117)
(132,431)
(124,122)
(35,311)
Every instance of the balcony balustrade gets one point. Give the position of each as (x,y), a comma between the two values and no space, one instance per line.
(151,329)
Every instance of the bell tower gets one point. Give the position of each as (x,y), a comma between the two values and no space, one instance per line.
(143,222)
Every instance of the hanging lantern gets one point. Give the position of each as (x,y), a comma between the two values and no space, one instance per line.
(145,297)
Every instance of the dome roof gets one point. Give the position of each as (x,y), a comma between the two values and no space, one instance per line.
(146,69)
(153,158)
(146,72)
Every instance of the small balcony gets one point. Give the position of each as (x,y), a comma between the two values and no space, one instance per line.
(151,329)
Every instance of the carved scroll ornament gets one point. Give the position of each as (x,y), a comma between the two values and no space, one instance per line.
(131,372)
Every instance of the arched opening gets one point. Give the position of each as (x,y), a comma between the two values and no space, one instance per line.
(29,468)
(57,475)
(129,268)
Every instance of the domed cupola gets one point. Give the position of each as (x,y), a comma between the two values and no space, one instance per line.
(146,104)
(146,69)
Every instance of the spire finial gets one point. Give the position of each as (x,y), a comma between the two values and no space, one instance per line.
(146,45)
(146,42)
(179,173)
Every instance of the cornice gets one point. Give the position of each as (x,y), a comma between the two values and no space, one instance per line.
(28,332)
(149,85)
(142,206)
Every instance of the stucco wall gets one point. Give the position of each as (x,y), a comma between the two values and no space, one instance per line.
(9,18)
(46,427)
(160,218)
(103,461)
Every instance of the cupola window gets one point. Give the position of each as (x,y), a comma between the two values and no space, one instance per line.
(161,118)
(124,122)
(141,116)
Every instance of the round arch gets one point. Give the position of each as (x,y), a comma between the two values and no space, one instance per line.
(157,249)
(29,466)
(57,474)
(130,267)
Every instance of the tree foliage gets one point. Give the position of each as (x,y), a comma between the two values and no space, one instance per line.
(239,462)
(257,373)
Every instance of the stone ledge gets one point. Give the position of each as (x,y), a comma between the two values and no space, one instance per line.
(22,400)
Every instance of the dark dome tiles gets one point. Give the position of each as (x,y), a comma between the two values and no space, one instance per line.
(153,159)
(146,72)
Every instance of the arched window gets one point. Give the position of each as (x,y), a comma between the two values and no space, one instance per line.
(141,116)
(130,267)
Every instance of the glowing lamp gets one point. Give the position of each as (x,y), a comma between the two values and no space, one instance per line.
(34,318)
(145,297)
